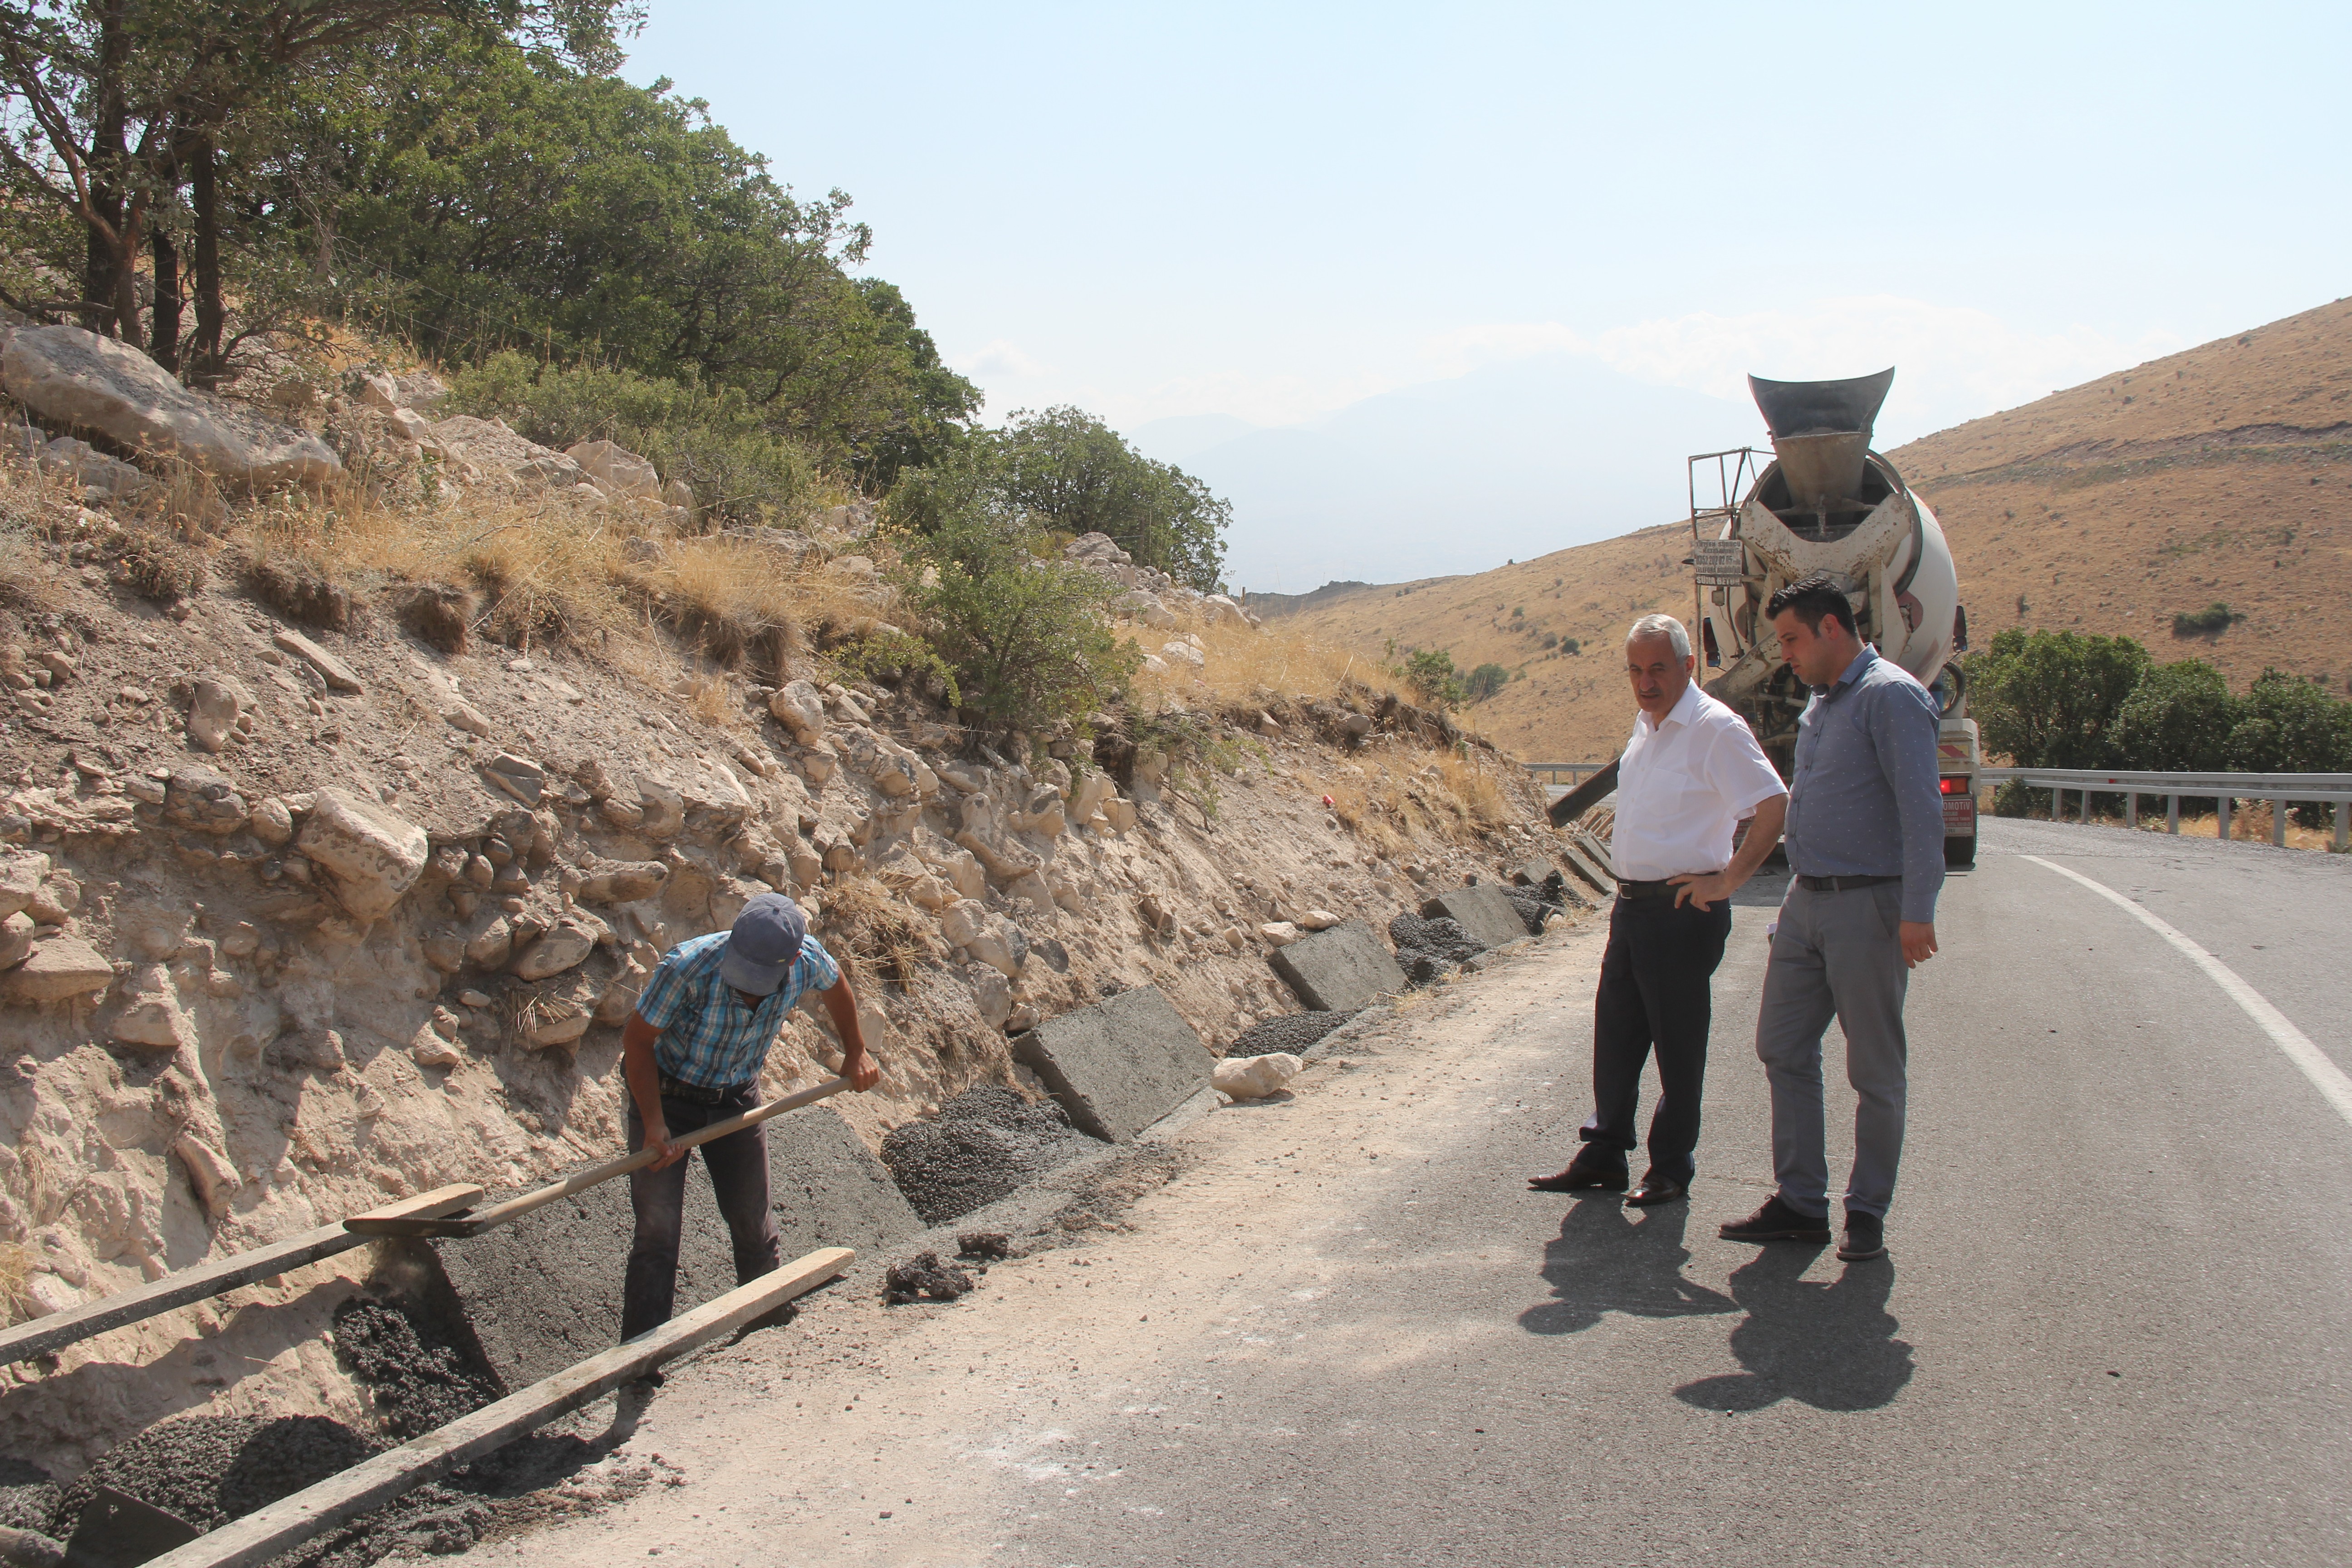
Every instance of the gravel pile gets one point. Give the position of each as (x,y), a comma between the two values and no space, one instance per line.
(983,1143)
(29,1499)
(1293,1033)
(924,1275)
(1426,949)
(421,1377)
(1537,904)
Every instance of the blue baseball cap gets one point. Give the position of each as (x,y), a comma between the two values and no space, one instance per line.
(762,943)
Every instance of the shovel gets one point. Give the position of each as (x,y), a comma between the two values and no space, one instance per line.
(473,1223)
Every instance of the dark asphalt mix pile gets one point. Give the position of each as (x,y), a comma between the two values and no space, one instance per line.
(421,1378)
(1296,1033)
(983,1144)
(1426,949)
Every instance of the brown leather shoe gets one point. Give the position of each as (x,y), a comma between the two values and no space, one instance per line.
(1655,1189)
(1582,1177)
(1776,1221)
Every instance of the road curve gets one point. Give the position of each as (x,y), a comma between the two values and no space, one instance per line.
(2113,1328)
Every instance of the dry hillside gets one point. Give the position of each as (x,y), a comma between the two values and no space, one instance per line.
(2216,474)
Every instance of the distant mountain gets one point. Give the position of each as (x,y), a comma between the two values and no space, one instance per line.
(1511,460)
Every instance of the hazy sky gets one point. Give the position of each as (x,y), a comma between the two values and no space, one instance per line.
(1271,211)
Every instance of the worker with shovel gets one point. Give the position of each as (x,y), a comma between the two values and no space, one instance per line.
(692,1052)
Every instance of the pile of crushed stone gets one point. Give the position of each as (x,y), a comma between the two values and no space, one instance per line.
(924,1275)
(420,1377)
(28,1497)
(1293,1033)
(983,1143)
(1426,949)
(1544,901)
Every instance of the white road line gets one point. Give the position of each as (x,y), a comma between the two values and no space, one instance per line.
(2323,1074)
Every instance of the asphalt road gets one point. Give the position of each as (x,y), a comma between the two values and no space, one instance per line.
(2113,1327)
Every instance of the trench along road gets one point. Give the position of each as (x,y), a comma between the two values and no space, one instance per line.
(2113,1326)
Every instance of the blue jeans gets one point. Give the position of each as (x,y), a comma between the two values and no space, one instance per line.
(737,1164)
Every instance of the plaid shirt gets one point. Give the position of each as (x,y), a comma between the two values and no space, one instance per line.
(709,1038)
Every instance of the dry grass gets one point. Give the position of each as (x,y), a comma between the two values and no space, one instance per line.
(2250,823)
(878,931)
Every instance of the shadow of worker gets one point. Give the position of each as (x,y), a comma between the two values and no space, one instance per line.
(1827,1343)
(1607,1260)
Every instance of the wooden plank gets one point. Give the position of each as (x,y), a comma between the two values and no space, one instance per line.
(1584,797)
(264,1533)
(386,1223)
(57,1330)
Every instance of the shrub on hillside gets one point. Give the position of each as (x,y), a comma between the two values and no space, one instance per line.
(2210,621)
(2049,700)
(1484,682)
(740,473)
(1024,632)
(2177,719)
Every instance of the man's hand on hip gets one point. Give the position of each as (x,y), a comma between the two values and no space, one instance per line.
(1918,939)
(1701,889)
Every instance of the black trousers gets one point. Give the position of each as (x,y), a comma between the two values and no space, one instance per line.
(1654,994)
(737,1164)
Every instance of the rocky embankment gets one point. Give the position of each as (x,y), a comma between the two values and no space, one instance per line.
(294,920)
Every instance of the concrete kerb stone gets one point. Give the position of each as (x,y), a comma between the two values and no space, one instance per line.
(1341,970)
(545,1291)
(1482,911)
(1120,1065)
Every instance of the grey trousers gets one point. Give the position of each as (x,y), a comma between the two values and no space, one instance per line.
(1836,956)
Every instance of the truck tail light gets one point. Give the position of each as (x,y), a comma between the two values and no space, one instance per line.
(1956,786)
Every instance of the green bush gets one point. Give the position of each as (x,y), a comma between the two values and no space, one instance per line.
(2211,621)
(1430,672)
(1023,632)
(1484,682)
(2177,719)
(739,471)
(2050,699)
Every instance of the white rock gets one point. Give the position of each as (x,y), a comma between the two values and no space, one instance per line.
(489,446)
(465,716)
(271,822)
(993,993)
(567,945)
(15,940)
(800,708)
(1318,920)
(1253,1077)
(429,1049)
(1120,813)
(1279,933)
(100,476)
(59,968)
(372,854)
(619,470)
(963,920)
(73,377)
(337,674)
(379,391)
(209,1172)
(555,1023)
(410,426)
(22,872)
(154,1016)
(990,947)
(1153,665)
(1183,653)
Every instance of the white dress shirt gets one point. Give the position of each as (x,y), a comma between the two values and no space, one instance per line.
(1682,787)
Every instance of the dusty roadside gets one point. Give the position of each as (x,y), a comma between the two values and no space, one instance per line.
(867,1434)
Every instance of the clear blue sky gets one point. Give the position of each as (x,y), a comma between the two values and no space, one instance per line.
(1271,211)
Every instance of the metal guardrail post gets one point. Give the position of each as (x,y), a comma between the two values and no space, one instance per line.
(2131,808)
(2172,814)
(2221,804)
(2343,824)
(2278,824)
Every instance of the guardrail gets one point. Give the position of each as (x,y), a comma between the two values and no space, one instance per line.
(1575,771)
(2224,789)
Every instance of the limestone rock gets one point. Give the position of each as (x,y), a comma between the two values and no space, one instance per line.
(215,1180)
(622,881)
(992,947)
(15,940)
(445,953)
(991,993)
(59,968)
(491,448)
(663,808)
(70,377)
(565,947)
(1088,549)
(1182,653)
(518,775)
(430,1049)
(492,945)
(619,472)
(1253,1077)
(1087,799)
(337,674)
(963,920)
(22,872)
(554,1021)
(154,1016)
(1121,814)
(1280,934)
(1318,920)
(460,715)
(800,708)
(200,798)
(818,762)
(98,477)
(372,854)
(271,822)
(1157,917)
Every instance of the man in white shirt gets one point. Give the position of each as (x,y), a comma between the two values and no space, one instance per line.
(1690,772)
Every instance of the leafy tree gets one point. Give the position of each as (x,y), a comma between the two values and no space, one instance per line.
(1023,632)
(1484,682)
(2287,725)
(2178,719)
(1071,472)
(1431,675)
(2049,700)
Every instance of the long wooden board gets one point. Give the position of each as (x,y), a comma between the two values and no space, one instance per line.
(59,1330)
(265,1533)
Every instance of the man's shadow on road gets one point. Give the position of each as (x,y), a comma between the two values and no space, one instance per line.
(1606,1261)
(1827,1343)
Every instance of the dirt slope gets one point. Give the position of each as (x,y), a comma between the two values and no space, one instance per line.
(2217,474)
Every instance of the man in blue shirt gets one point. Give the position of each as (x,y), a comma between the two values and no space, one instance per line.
(692,1053)
(1866,837)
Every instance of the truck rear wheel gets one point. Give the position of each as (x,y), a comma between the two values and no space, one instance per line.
(1960,852)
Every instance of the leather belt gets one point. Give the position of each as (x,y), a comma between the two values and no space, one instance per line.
(700,1093)
(1840,884)
(1645,889)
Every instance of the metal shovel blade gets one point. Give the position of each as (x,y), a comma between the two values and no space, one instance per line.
(118,1532)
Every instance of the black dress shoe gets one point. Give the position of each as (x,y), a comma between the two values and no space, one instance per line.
(1776,1221)
(1865,1236)
(1655,1189)
(1581,1177)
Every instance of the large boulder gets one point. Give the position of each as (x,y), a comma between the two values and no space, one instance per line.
(491,448)
(372,855)
(61,967)
(617,469)
(68,377)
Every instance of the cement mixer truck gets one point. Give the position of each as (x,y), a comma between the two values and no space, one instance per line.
(1824,503)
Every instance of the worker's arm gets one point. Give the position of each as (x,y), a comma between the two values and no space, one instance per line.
(841,1005)
(637,1038)
(1763,833)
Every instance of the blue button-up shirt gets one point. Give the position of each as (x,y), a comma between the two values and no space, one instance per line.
(709,1038)
(1866,800)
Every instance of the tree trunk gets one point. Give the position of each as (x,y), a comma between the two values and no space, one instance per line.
(163,336)
(205,359)
(102,266)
